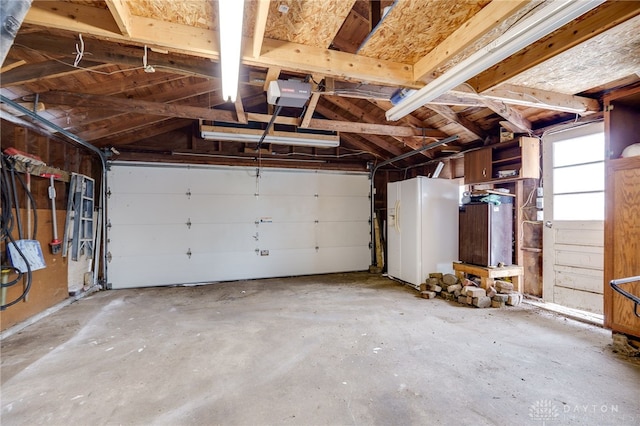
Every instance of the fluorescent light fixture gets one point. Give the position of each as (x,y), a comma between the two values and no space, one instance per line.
(230,14)
(233,134)
(551,16)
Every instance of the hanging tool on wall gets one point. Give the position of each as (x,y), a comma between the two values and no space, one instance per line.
(25,255)
(26,249)
(55,244)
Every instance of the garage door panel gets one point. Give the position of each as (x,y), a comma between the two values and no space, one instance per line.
(147,208)
(343,259)
(215,238)
(333,209)
(343,185)
(233,233)
(222,208)
(282,236)
(148,271)
(283,208)
(132,240)
(274,183)
(226,181)
(150,179)
(342,234)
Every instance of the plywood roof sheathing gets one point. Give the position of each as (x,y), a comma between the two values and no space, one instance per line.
(429,23)
(310,22)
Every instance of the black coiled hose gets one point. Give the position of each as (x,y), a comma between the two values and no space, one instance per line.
(8,193)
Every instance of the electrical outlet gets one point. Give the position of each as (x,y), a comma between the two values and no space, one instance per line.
(540,192)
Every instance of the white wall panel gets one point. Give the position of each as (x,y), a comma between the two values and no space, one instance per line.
(288,222)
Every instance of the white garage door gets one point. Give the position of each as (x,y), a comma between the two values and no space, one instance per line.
(193,224)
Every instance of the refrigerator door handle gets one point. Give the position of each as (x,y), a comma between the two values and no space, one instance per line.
(397,224)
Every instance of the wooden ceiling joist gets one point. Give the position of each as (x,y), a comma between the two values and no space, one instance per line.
(43,70)
(543,99)
(378,141)
(262,12)
(454,117)
(364,116)
(121,14)
(110,53)
(196,41)
(132,136)
(489,17)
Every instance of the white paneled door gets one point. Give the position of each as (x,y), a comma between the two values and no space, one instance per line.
(195,224)
(573,259)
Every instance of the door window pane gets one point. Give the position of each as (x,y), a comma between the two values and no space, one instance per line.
(579,206)
(578,178)
(581,178)
(583,149)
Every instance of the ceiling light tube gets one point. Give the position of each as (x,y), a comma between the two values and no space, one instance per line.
(232,134)
(230,15)
(547,19)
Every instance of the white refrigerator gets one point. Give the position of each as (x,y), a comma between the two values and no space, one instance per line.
(422,228)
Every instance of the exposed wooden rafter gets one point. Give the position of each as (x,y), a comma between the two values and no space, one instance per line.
(262,12)
(121,14)
(454,117)
(484,21)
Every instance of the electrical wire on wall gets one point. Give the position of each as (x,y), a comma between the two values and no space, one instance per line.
(9,197)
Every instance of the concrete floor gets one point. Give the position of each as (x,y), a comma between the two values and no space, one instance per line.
(335,349)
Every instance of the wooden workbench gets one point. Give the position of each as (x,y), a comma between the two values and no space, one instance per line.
(488,275)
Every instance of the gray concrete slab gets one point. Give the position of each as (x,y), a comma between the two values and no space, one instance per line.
(335,349)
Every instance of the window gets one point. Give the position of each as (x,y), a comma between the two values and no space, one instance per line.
(578,178)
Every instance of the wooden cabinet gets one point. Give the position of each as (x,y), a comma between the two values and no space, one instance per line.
(486,234)
(477,166)
(503,162)
(622,209)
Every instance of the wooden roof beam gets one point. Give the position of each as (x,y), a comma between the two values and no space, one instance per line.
(262,12)
(41,70)
(175,109)
(111,53)
(376,140)
(362,115)
(201,42)
(488,18)
(132,136)
(511,115)
(241,116)
(452,116)
(121,14)
(543,99)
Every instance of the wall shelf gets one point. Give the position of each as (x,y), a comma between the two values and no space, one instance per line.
(520,156)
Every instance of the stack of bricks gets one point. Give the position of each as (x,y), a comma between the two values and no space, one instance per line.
(468,292)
